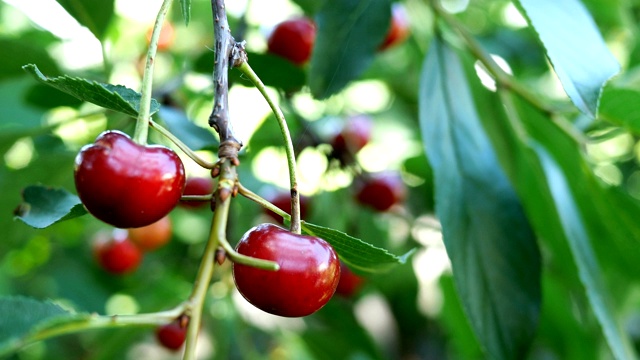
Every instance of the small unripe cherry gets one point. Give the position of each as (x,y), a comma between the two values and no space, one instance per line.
(354,135)
(293,40)
(115,253)
(381,190)
(350,283)
(398,28)
(152,237)
(172,335)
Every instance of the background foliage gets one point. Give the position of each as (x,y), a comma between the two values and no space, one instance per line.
(530,163)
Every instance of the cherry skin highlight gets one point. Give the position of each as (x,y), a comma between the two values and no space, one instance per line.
(381,191)
(293,40)
(126,184)
(308,275)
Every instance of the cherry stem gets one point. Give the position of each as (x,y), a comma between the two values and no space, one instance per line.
(182,146)
(291,158)
(202,198)
(144,111)
(262,201)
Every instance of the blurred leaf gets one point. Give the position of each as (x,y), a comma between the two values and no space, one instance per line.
(620,106)
(23,52)
(310,7)
(44,206)
(95,15)
(194,136)
(185,6)
(493,250)
(355,252)
(23,316)
(348,36)
(115,97)
(272,70)
(46,97)
(575,47)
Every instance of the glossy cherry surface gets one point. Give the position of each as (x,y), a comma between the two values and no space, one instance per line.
(126,184)
(197,186)
(350,283)
(381,190)
(153,236)
(116,253)
(399,27)
(293,40)
(308,275)
(171,335)
(355,134)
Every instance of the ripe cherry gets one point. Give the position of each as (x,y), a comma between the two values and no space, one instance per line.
(308,275)
(282,200)
(350,283)
(355,134)
(116,253)
(152,237)
(293,40)
(126,184)
(171,335)
(197,186)
(381,190)
(399,27)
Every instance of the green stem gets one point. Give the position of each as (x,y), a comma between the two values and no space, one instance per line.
(262,201)
(142,125)
(182,146)
(291,159)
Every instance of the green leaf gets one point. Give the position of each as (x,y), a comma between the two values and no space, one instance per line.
(24,316)
(575,48)
(95,15)
(354,252)
(185,7)
(114,97)
(194,136)
(348,36)
(583,254)
(310,7)
(493,250)
(44,206)
(620,106)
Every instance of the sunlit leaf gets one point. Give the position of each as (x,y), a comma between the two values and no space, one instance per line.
(575,47)
(115,97)
(493,250)
(44,206)
(95,15)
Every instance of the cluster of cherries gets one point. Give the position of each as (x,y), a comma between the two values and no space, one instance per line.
(293,39)
(133,187)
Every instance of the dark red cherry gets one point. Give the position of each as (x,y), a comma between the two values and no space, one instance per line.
(197,186)
(126,184)
(293,40)
(355,134)
(282,200)
(115,253)
(308,275)
(381,190)
(171,335)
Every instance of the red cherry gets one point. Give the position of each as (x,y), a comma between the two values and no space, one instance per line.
(349,283)
(197,186)
(126,184)
(152,237)
(293,40)
(116,253)
(381,190)
(282,200)
(166,38)
(308,275)
(171,335)
(399,27)
(355,134)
